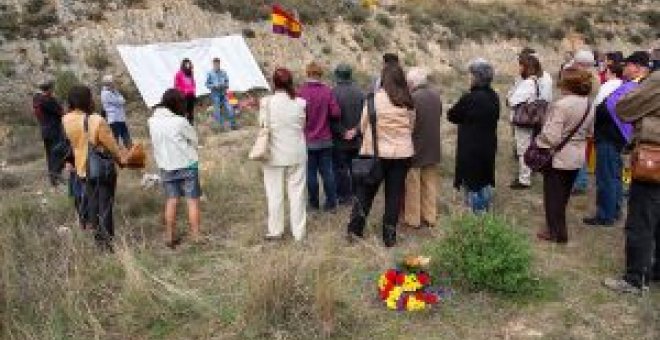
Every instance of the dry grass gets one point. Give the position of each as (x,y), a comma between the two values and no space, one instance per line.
(55,285)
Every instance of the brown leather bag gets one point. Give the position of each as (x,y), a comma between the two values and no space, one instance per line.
(531,114)
(645,164)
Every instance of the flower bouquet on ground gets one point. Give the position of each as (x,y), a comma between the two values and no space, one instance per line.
(408,287)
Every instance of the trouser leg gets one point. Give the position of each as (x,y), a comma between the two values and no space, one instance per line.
(411,215)
(274,185)
(327,173)
(217,107)
(365,194)
(581,180)
(395,172)
(608,181)
(523,137)
(190,109)
(229,111)
(341,169)
(313,163)
(296,192)
(429,194)
(51,160)
(557,185)
(106,231)
(642,227)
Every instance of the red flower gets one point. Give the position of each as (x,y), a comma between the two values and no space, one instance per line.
(385,292)
(400,279)
(424,279)
(430,298)
(391,275)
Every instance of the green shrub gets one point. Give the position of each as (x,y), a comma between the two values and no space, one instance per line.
(309,11)
(37,15)
(384,20)
(357,15)
(636,39)
(64,81)
(371,38)
(96,56)
(7,68)
(477,21)
(58,53)
(485,253)
(651,17)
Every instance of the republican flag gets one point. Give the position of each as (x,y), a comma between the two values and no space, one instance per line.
(285,22)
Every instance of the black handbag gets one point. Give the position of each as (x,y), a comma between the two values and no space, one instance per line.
(531,114)
(368,169)
(100,163)
(540,159)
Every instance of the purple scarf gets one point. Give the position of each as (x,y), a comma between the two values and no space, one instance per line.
(611,101)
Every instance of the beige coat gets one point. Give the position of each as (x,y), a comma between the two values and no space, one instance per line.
(563,117)
(286,119)
(394,127)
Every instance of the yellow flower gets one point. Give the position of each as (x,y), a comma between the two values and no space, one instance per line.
(415,305)
(392,300)
(411,284)
(382,281)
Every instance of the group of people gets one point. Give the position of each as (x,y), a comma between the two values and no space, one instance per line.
(321,131)
(614,102)
(318,131)
(217,82)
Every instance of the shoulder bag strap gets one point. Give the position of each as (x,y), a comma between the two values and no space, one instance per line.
(538,89)
(575,129)
(371,109)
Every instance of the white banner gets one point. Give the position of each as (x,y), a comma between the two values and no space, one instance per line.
(154,66)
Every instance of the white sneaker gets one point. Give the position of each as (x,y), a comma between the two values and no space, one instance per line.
(623,286)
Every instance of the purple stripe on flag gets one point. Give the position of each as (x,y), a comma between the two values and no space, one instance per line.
(625,128)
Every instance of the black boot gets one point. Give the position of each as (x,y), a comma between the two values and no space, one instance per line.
(389,235)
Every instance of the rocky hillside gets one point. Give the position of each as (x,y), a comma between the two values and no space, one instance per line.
(69,39)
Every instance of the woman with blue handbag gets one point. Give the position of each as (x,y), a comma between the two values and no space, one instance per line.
(95,154)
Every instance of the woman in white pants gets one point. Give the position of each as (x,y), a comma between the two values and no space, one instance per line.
(286,167)
(533,84)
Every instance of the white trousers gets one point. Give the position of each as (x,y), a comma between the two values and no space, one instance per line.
(294,178)
(523,137)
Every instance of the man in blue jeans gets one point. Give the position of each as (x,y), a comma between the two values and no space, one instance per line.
(114,106)
(321,108)
(217,82)
(612,135)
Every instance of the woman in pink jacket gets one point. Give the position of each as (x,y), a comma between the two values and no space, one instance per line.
(184,81)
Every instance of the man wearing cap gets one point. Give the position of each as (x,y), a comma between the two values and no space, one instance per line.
(217,82)
(346,139)
(49,114)
(114,106)
(641,107)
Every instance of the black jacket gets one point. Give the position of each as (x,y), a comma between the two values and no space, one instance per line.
(476,114)
(351,102)
(49,114)
(605,129)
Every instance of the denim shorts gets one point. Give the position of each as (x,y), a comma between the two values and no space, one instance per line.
(181,183)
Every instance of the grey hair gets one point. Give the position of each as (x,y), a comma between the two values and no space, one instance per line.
(482,71)
(417,76)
